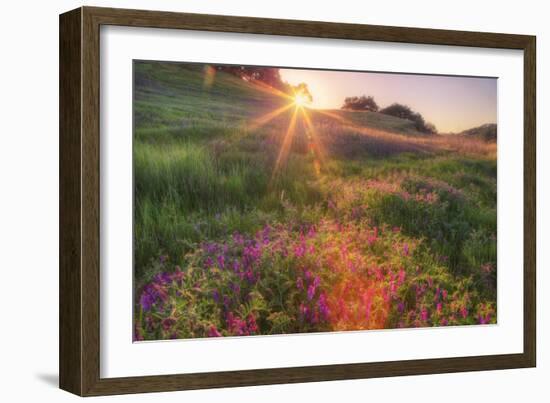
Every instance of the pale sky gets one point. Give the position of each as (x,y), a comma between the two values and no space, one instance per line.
(452,104)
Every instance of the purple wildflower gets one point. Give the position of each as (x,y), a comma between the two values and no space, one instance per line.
(163,278)
(178,275)
(323,306)
(167,323)
(213,332)
(316,281)
(484,319)
(424,314)
(146,301)
(221,262)
(216,296)
(208,262)
(310,292)
(400,307)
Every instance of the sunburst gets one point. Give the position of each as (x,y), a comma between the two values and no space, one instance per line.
(299,101)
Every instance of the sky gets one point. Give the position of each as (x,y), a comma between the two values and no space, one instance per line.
(451,103)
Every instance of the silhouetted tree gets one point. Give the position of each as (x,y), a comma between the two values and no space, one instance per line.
(404,112)
(362,103)
(399,111)
(302,89)
(266,75)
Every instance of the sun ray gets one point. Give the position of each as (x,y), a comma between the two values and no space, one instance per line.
(286,143)
(262,120)
(270,90)
(337,117)
(316,144)
(419,143)
(319,150)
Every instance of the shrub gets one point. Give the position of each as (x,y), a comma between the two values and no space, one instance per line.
(362,103)
(404,112)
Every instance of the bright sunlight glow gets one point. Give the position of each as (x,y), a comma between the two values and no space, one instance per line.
(301,99)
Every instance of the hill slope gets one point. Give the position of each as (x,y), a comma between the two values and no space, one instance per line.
(487,132)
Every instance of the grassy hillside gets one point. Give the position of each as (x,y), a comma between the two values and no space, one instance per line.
(222,181)
(486,132)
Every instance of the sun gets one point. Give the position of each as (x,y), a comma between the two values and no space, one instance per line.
(301,99)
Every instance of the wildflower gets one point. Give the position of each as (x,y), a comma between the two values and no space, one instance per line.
(464,312)
(484,319)
(316,281)
(250,277)
(162,278)
(323,306)
(439,307)
(213,332)
(406,249)
(216,296)
(252,325)
(393,287)
(226,302)
(167,323)
(310,292)
(424,314)
(300,250)
(236,288)
(146,301)
(236,266)
(304,311)
(238,238)
(401,307)
(221,261)
(208,262)
(178,275)
(300,283)
(210,248)
(152,293)
(401,276)
(436,294)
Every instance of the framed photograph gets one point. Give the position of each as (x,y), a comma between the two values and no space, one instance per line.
(249,201)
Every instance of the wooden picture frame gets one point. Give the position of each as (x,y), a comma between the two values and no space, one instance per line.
(79,281)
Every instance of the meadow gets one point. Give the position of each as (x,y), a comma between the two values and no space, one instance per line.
(254,215)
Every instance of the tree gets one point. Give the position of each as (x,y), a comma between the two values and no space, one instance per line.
(362,103)
(303,90)
(399,111)
(266,75)
(404,112)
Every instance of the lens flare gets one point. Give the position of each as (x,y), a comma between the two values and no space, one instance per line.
(301,99)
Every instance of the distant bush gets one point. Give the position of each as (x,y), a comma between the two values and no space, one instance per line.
(405,112)
(362,103)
